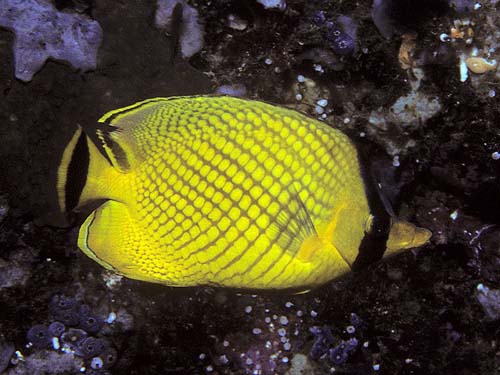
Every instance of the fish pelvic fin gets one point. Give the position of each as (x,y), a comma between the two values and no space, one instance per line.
(404,235)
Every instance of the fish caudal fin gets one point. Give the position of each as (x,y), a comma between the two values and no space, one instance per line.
(72,171)
(107,233)
(85,175)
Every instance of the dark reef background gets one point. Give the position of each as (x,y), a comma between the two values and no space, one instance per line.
(390,74)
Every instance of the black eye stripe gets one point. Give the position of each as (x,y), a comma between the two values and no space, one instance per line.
(373,244)
(380,225)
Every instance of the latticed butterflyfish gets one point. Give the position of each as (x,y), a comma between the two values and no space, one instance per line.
(226,192)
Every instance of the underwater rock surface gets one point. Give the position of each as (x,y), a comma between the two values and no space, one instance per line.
(190,26)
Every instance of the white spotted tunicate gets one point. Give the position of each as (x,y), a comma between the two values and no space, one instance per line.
(283,320)
(55,343)
(454,215)
(96,363)
(319,110)
(444,37)
(278,4)
(322,102)
(111,317)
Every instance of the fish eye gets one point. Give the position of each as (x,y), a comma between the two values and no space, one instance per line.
(377,225)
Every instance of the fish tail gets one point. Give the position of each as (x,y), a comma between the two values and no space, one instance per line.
(83,173)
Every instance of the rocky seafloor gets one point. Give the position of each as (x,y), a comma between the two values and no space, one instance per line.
(416,84)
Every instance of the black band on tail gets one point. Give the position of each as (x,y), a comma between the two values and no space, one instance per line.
(77,173)
(373,244)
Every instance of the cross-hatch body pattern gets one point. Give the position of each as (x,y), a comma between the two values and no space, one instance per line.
(212,192)
(221,191)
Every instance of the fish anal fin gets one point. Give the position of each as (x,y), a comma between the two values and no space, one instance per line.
(110,237)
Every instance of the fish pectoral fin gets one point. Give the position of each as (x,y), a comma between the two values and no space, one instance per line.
(293,227)
(110,237)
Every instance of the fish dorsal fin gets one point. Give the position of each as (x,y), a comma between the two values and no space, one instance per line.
(118,132)
(293,226)
(118,148)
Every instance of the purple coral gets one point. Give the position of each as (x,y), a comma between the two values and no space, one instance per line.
(42,32)
(340,354)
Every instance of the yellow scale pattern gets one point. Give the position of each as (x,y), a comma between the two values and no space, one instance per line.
(215,178)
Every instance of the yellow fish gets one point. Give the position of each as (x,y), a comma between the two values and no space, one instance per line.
(226,192)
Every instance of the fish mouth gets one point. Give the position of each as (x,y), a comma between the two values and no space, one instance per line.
(422,236)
